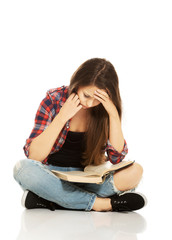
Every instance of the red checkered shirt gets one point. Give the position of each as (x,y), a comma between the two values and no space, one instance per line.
(48,109)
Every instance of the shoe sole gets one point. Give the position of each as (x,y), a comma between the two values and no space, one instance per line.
(144,197)
(24,198)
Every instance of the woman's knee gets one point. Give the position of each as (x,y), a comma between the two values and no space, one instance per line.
(26,171)
(20,165)
(17,167)
(128,178)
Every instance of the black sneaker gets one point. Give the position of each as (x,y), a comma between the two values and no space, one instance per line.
(30,201)
(129,201)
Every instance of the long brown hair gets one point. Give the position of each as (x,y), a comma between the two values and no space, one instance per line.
(100,73)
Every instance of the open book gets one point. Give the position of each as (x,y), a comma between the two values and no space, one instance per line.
(91,173)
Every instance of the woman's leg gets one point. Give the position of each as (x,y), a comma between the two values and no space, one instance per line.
(36,177)
(103,191)
(129,177)
(116,182)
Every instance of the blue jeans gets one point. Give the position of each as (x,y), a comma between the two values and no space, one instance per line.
(38,178)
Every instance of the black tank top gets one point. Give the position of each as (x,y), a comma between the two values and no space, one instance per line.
(70,155)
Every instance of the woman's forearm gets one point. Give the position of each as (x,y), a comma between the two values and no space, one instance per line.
(115,133)
(41,145)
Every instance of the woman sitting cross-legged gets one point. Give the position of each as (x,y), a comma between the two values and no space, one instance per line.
(74,126)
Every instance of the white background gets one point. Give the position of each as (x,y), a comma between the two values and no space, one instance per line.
(41,44)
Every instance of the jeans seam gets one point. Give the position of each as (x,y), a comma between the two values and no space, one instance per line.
(91,202)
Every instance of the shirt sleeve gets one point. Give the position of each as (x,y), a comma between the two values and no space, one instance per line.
(113,155)
(43,118)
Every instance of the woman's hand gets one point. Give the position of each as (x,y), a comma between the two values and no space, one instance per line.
(70,107)
(104,98)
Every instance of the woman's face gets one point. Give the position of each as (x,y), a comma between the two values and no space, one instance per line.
(86,96)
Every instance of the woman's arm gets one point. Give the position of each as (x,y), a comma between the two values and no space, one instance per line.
(115,132)
(116,146)
(46,129)
(48,126)
(41,145)
(116,137)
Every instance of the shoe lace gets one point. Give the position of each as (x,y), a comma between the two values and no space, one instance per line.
(119,205)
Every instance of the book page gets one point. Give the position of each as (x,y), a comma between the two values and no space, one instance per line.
(106,167)
(75,173)
(77,176)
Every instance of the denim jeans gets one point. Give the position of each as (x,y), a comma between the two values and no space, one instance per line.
(38,178)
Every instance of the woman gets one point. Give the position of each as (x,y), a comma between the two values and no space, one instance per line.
(75,126)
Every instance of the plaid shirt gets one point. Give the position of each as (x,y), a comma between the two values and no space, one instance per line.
(48,109)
